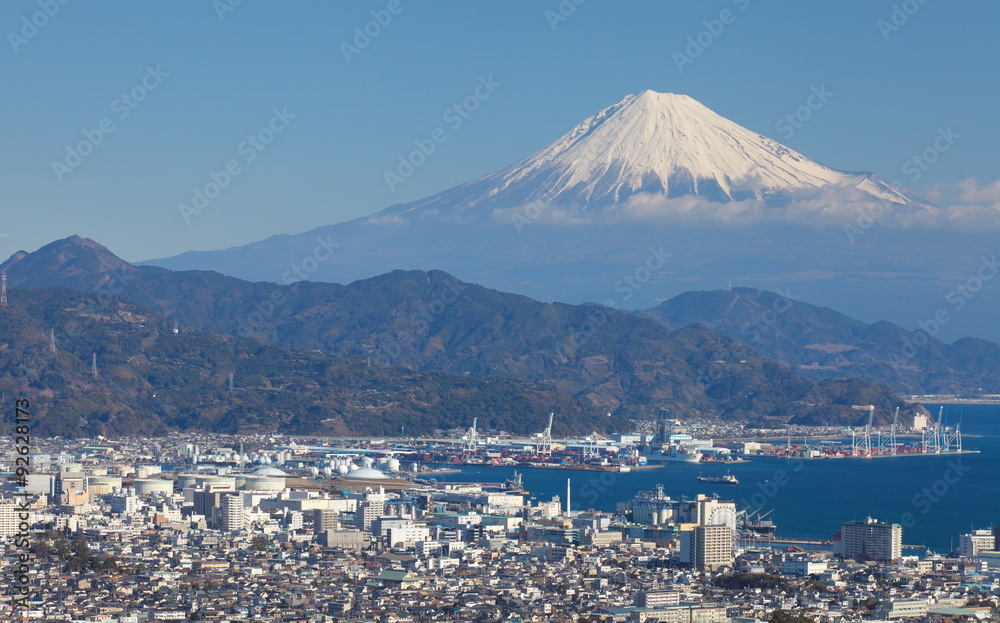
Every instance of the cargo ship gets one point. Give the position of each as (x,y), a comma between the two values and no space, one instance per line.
(675,453)
(728,479)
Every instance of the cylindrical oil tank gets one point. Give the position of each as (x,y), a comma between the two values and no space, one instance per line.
(149,486)
(264,483)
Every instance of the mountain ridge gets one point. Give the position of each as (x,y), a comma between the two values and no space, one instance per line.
(822,343)
(433,323)
(858,246)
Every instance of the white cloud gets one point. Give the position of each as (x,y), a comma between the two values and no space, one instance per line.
(386,219)
(965,205)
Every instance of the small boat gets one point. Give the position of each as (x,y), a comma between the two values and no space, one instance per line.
(728,479)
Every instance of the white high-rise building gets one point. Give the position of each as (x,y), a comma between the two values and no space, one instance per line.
(979,541)
(232,515)
(8,518)
(293,520)
(871,540)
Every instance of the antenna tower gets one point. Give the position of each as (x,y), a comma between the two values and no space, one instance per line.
(3,288)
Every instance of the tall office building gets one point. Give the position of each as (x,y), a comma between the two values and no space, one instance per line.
(231,516)
(870,540)
(206,500)
(707,547)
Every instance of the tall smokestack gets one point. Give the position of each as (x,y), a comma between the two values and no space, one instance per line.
(568,514)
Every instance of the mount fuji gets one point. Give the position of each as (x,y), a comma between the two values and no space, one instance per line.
(656,144)
(651,197)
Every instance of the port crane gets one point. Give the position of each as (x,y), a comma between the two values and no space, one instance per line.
(594,441)
(472,437)
(863,446)
(545,441)
(887,443)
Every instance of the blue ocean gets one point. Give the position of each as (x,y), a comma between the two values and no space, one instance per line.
(934,498)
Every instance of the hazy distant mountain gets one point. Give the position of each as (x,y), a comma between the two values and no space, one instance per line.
(651,197)
(611,360)
(821,343)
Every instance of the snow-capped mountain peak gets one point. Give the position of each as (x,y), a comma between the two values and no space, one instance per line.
(658,143)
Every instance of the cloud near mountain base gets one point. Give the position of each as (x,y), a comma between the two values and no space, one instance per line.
(965,205)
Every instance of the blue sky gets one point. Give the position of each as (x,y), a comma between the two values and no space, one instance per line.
(211,82)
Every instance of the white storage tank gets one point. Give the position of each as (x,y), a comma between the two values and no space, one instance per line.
(150,486)
(145,471)
(103,485)
(264,483)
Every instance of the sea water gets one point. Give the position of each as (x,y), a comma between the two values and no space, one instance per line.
(934,498)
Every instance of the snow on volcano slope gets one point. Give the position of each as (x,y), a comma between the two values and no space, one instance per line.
(658,143)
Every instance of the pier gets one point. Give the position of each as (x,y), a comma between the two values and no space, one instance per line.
(819,542)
